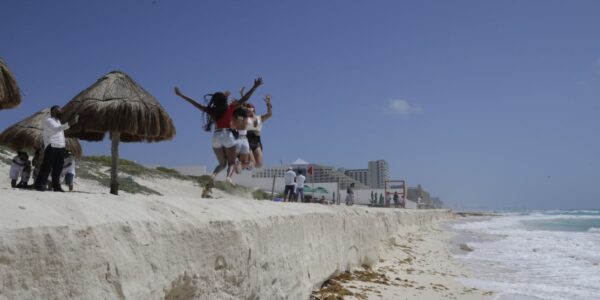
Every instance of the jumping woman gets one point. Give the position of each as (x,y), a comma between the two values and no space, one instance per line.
(220,112)
(254,128)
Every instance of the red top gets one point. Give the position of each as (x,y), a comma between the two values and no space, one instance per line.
(225,120)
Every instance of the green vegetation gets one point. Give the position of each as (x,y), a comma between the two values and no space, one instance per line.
(127,184)
(90,168)
(6,152)
(233,189)
(261,195)
(125,166)
(173,173)
(97,168)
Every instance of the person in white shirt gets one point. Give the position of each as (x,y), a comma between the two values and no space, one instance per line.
(300,186)
(16,169)
(69,170)
(54,153)
(254,131)
(290,186)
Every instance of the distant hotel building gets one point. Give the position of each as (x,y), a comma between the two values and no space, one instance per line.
(360,175)
(374,177)
(378,173)
(320,174)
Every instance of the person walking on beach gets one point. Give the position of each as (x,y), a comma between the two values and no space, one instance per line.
(69,170)
(16,168)
(290,185)
(396,199)
(54,153)
(254,130)
(300,186)
(350,195)
(219,111)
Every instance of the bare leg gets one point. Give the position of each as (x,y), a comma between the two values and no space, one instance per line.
(221,157)
(245,160)
(258,157)
(252,161)
(230,154)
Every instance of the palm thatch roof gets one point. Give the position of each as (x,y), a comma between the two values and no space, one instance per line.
(28,135)
(116,103)
(10,96)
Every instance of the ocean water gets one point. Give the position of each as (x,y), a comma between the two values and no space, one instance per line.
(535,255)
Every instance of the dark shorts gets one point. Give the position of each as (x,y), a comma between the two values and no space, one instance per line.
(254,141)
(69,178)
(289,189)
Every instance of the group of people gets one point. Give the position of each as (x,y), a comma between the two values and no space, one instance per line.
(57,162)
(236,139)
(294,186)
(399,201)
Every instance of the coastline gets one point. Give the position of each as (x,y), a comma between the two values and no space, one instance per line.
(417,264)
(91,245)
(88,244)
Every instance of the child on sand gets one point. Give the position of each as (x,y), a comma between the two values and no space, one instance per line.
(350,195)
(25,175)
(69,169)
(16,169)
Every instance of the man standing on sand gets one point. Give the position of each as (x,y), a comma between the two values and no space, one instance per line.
(396,199)
(300,186)
(290,185)
(54,153)
(350,195)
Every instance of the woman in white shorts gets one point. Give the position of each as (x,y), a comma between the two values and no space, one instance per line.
(240,122)
(220,112)
(254,130)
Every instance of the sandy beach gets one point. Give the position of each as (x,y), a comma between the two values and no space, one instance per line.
(93,245)
(418,264)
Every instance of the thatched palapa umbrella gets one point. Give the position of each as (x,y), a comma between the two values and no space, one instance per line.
(118,105)
(10,96)
(27,135)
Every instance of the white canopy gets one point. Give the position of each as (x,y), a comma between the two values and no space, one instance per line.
(300,162)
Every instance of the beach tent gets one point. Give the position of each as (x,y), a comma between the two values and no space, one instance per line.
(118,105)
(27,135)
(300,162)
(10,95)
(307,189)
(321,190)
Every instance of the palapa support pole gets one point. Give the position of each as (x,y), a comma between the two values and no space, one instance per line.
(114,150)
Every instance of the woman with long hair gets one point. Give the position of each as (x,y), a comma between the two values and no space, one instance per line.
(254,129)
(219,112)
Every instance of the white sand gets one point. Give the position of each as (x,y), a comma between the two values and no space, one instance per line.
(417,264)
(93,245)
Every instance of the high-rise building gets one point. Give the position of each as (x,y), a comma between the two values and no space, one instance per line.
(378,173)
(359,175)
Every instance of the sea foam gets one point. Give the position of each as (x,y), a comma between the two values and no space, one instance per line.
(537,255)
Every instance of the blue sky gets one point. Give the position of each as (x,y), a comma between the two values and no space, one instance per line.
(491,104)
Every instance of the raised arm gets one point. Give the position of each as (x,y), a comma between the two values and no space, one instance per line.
(190,100)
(269,109)
(257,82)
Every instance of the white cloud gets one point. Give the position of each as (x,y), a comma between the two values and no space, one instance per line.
(402,107)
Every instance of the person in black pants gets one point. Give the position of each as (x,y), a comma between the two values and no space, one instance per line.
(54,153)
